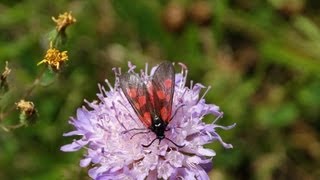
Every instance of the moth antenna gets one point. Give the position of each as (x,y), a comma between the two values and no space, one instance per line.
(179,146)
(151,142)
(133,129)
(144,132)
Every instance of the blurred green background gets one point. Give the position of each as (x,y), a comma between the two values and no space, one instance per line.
(260,57)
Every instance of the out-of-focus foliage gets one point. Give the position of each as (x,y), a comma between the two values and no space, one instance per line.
(262,59)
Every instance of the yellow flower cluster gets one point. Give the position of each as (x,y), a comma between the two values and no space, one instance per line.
(54,58)
(64,20)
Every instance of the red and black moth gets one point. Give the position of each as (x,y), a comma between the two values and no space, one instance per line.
(152,100)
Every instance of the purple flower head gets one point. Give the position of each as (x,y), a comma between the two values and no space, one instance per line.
(115,153)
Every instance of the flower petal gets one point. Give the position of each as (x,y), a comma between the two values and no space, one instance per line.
(206,152)
(74,146)
(207,166)
(72,133)
(85,162)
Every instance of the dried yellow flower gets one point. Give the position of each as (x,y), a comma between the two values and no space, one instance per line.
(54,57)
(26,107)
(64,20)
(28,113)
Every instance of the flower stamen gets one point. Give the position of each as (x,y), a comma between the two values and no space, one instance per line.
(204,94)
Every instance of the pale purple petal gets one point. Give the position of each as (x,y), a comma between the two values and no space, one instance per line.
(72,133)
(165,170)
(202,174)
(207,166)
(206,152)
(74,146)
(85,162)
(175,158)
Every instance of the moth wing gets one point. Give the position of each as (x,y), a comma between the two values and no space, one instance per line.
(163,82)
(135,91)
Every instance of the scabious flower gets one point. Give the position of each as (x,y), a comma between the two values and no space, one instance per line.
(114,154)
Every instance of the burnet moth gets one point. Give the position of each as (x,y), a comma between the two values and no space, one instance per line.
(152,99)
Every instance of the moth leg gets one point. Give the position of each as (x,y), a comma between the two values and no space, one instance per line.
(179,146)
(151,142)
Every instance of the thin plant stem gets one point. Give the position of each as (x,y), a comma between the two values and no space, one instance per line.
(34,84)
(26,94)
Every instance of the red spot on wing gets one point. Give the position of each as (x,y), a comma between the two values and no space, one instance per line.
(137,105)
(161,95)
(164,114)
(132,92)
(150,92)
(168,83)
(139,95)
(142,100)
(147,119)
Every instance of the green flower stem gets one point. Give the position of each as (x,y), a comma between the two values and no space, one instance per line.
(25,96)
